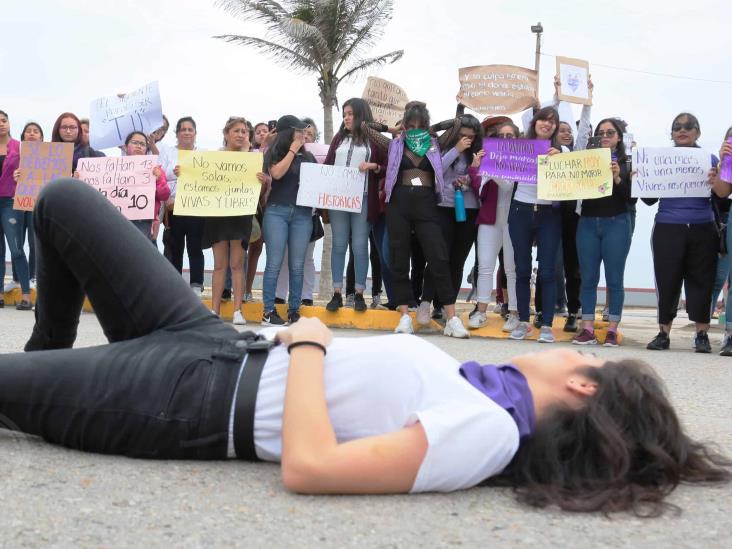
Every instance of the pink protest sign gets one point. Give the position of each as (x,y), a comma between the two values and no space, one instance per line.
(725,168)
(318,150)
(126,181)
(512,159)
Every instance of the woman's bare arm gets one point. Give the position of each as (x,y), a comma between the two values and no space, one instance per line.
(313,461)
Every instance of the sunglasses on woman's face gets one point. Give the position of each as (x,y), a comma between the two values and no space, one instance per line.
(688,126)
(606,133)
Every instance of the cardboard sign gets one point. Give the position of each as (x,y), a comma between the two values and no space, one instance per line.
(387,100)
(497,89)
(670,172)
(39,164)
(318,150)
(725,166)
(218,183)
(126,181)
(331,187)
(573,77)
(575,175)
(113,118)
(512,159)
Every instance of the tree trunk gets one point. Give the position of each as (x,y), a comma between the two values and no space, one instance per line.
(325,287)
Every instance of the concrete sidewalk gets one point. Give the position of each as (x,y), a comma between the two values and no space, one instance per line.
(62,498)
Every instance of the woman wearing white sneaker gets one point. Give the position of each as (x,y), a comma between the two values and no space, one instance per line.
(495,203)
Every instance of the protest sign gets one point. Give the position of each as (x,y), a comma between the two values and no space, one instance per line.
(574,77)
(575,175)
(670,172)
(512,159)
(725,167)
(39,164)
(217,183)
(126,181)
(497,89)
(331,187)
(318,150)
(387,100)
(111,119)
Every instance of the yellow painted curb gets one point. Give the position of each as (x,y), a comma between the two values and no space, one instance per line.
(13,297)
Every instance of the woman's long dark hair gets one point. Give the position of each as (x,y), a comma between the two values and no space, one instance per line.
(547,113)
(56,132)
(625,450)
(28,125)
(361,113)
(468,121)
(417,111)
(279,148)
(620,147)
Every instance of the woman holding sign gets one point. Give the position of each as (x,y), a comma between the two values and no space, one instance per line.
(534,220)
(351,146)
(685,245)
(603,236)
(67,129)
(414,186)
(11,221)
(386,414)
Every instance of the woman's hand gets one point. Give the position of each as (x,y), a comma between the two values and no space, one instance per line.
(725,150)
(557,84)
(298,140)
(156,172)
(477,158)
(306,329)
(16,175)
(366,166)
(615,168)
(176,171)
(590,85)
(553,151)
(75,175)
(464,144)
(262,178)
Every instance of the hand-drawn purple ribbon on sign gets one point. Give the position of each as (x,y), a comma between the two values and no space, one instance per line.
(512,159)
(725,169)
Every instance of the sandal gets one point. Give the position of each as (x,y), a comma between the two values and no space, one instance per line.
(24,305)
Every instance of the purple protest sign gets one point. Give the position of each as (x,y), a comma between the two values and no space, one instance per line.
(725,170)
(512,159)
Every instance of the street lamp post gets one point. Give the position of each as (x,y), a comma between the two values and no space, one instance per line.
(537,29)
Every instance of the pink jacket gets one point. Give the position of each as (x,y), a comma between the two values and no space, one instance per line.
(12,161)
(162,191)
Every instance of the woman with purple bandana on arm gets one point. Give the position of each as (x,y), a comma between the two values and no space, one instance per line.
(384,414)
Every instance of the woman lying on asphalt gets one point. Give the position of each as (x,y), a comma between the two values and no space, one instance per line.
(383,414)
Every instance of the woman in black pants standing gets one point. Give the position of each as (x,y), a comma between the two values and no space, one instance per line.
(685,245)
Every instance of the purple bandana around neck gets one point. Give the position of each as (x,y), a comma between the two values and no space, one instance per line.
(506,386)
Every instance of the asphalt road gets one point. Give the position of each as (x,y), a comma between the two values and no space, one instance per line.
(61,498)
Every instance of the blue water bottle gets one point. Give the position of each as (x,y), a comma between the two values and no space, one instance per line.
(459,206)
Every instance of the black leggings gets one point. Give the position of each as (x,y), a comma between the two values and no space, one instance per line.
(186,232)
(414,208)
(684,254)
(164,385)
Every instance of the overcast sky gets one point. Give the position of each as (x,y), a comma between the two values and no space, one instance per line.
(58,55)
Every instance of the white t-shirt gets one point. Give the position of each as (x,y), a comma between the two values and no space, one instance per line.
(376,385)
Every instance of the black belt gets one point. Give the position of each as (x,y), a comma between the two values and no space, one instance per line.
(246,398)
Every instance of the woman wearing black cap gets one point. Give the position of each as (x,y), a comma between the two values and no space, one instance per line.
(285,225)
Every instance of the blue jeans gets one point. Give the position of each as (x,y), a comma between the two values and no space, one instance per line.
(603,240)
(381,237)
(26,227)
(11,224)
(354,227)
(545,227)
(291,227)
(723,266)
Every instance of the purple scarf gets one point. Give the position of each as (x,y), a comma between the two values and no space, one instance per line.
(506,386)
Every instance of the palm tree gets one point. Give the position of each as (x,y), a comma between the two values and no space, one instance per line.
(326,37)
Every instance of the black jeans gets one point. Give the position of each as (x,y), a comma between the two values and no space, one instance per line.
(414,208)
(186,232)
(164,385)
(459,238)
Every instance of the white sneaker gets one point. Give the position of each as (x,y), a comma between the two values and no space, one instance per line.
(10,286)
(546,335)
(521,331)
(197,290)
(376,301)
(239,319)
(512,322)
(404,326)
(423,314)
(497,309)
(455,328)
(33,283)
(477,320)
